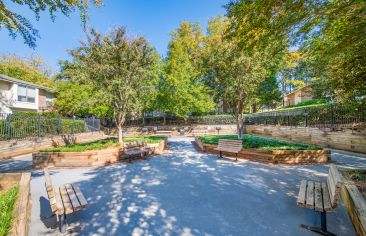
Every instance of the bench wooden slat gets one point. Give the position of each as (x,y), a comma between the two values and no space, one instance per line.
(73,199)
(80,196)
(66,200)
(310,195)
(302,193)
(326,200)
(60,207)
(334,181)
(318,197)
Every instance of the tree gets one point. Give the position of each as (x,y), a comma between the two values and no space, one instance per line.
(181,90)
(121,68)
(30,69)
(235,70)
(18,24)
(330,34)
(268,93)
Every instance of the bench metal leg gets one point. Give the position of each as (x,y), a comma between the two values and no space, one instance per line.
(62,223)
(322,230)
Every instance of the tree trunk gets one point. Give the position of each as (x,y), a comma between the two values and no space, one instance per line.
(164,122)
(120,135)
(240,126)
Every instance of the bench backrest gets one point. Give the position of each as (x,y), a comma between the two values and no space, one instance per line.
(232,144)
(49,188)
(334,182)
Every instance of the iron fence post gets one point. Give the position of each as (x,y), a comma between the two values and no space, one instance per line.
(9,126)
(331,116)
(59,124)
(306,117)
(39,125)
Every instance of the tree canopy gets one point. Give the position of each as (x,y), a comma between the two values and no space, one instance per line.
(17,24)
(121,68)
(181,88)
(31,69)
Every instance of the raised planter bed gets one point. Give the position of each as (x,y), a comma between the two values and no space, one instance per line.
(93,158)
(273,156)
(22,206)
(355,203)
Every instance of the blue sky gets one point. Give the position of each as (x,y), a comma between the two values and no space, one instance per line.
(154,19)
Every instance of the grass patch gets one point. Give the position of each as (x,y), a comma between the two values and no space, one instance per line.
(7,200)
(250,141)
(103,144)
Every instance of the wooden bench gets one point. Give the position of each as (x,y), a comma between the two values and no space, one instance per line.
(135,150)
(64,200)
(322,197)
(230,145)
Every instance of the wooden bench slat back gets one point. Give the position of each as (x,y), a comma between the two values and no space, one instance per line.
(334,182)
(50,190)
(53,195)
(230,144)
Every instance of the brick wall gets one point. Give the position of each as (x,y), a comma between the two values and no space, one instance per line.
(13,148)
(346,139)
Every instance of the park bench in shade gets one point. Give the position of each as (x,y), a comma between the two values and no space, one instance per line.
(64,200)
(322,197)
(230,145)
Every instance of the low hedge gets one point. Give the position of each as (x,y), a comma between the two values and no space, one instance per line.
(251,141)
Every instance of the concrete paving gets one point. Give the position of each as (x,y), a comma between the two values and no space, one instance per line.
(185,192)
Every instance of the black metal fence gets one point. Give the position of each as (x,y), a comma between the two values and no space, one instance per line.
(332,116)
(173,120)
(26,125)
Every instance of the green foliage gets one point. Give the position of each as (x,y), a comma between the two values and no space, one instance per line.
(268,93)
(81,147)
(357,175)
(330,36)
(103,144)
(17,24)
(305,104)
(121,68)
(250,141)
(181,89)
(234,66)
(213,119)
(28,69)
(7,201)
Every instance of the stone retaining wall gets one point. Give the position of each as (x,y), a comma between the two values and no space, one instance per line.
(346,139)
(275,156)
(22,208)
(92,158)
(13,148)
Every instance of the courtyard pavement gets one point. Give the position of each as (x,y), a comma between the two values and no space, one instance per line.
(185,192)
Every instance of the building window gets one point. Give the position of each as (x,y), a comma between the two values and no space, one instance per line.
(49,97)
(26,94)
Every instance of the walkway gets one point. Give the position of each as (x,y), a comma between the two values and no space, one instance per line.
(184,192)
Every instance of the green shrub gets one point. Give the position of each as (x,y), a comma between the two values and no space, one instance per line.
(214,119)
(7,201)
(103,143)
(250,141)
